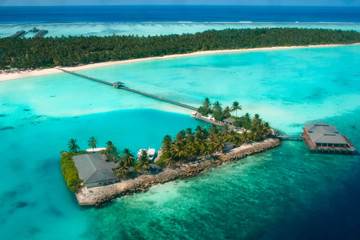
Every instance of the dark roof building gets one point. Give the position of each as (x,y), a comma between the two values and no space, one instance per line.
(323,137)
(94,170)
(229,121)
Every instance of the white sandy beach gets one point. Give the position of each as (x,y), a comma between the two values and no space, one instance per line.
(41,72)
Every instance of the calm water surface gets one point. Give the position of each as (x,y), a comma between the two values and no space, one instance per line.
(284,193)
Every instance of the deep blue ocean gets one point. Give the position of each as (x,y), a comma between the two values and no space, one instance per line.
(67,14)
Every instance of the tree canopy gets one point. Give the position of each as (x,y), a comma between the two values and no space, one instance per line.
(188,145)
(32,53)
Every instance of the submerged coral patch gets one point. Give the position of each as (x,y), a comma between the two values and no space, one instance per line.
(54,211)
(6,128)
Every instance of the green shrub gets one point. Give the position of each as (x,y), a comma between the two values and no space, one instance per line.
(69,171)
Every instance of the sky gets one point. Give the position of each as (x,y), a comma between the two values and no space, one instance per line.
(180,2)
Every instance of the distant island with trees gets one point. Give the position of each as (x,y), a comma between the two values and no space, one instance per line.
(35,53)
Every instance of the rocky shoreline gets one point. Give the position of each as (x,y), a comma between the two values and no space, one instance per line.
(101,195)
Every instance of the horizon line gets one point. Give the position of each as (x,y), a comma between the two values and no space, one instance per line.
(245,5)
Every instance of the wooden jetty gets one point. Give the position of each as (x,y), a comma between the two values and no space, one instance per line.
(87,77)
(40,33)
(160,98)
(19,34)
(289,138)
(210,120)
(120,85)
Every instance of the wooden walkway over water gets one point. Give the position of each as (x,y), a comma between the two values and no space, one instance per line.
(289,138)
(120,85)
(18,34)
(40,34)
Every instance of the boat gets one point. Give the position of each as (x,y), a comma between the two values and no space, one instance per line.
(139,152)
(151,153)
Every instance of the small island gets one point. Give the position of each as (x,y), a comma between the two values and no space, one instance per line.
(99,175)
(49,52)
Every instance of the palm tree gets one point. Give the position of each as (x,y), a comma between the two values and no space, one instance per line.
(206,103)
(143,162)
(111,151)
(189,131)
(128,157)
(177,150)
(180,136)
(236,106)
(205,149)
(245,137)
(226,112)
(225,129)
(201,133)
(166,146)
(217,143)
(217,104)
(205,109)
(168,161)
(73,147)
(121,172)
(92,142)
(232,137)
(213,129)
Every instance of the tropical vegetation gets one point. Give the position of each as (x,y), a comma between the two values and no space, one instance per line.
(73,147)
(111,152)
(188,144)
(218,113)
(32,53)
(69,171)
(143,162)
(92,142)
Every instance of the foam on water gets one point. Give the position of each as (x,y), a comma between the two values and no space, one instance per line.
(158,28)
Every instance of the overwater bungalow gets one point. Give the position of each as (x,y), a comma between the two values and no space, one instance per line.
(94,170)
(321,137)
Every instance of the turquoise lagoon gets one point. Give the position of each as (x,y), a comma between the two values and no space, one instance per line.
(287,87)
(283,193)
(158,28)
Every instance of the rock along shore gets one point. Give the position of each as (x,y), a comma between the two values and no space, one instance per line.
(101,195)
